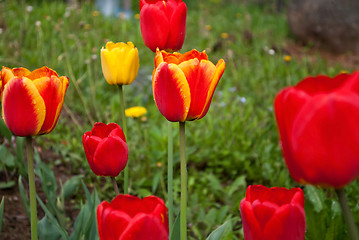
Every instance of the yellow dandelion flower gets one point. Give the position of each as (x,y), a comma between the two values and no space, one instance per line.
(137,16)
(87,26)
(135,112)
(159,164)
(95,13)
(208,27)
(287,58)
(224,35)
(343,71)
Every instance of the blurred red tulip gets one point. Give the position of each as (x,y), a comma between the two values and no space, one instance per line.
(317,121)
(273,213)
(31,101)
(163,24)
(183,84)
(106,149)
(130,218)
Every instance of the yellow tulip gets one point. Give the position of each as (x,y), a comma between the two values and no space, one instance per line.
(120,63)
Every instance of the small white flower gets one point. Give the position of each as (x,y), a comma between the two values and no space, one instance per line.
(232,89)
(29,9)
(1,30)
(271,51)
(38,23)
(243,99)
(94,56)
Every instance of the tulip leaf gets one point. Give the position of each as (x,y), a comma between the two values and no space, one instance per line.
(70,186)
(175,233)
(217,234)
(23,196)
(5,185)
(316,196)
(1,212)
(47,230)
(4,131)
(55,224)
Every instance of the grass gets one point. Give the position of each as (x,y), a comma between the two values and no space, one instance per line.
(235,145)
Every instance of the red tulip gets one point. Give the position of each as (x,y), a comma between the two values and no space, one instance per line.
(317,121)
(106,149)
(163,24)
(273,213)
(130,218)
(31,101)
(183,84)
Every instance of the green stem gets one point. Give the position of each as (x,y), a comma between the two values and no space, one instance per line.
(115,187)
(32,190)
(348,217)
(183,223)
(170,176)
(123,107)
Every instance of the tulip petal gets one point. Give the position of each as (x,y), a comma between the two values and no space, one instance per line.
(42,72)
(102,130)
(115,224)
(221,65)
(23,107)
(263,211)
(107,160)
(199,76)
(108,63)
(171,92)
(154,26)
(251,227)
(145,226)
(90,145)
(177,30)
(131,64)
(52,92)
(325,127)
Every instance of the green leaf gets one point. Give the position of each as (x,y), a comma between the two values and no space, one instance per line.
(7,157)
(217,234)
(155,181)
(71,185)
(23,196)
(176,233)
(5,185)
(47,230)
(1,212)
(53,220)
(316,196)
(4,131)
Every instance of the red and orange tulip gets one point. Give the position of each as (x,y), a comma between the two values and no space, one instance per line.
(183,84)
(31,101)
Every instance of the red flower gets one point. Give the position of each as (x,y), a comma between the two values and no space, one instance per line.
(31,101)
(106,149)
(163,24)
(318,121)
(130,218)
(183,84)
(273,213)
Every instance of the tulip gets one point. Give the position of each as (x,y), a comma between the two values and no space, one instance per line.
(163,24)
(273,213)
(120,63)
(106,149)
(31,101)
(183,85)
(130,218)
(317,121)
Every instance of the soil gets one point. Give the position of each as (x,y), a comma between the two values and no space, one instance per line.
(16,224)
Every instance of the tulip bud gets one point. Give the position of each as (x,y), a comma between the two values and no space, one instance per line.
(163,24)
(128,217)
(106,149)
(120,63)
(273,213)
